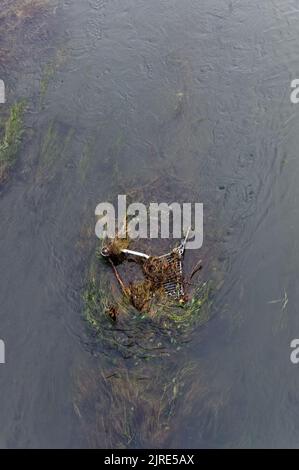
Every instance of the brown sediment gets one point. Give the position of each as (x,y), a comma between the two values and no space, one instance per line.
(17,10)
(13,17)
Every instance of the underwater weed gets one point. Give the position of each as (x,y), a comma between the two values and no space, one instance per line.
(136,408)
(146,325)
(54,149)
(11,140)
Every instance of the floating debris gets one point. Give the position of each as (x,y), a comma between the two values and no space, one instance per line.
(141,294)
(113,312)
(149,323)
(163,274)
(114,248)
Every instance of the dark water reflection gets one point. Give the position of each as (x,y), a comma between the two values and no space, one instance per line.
(131,89)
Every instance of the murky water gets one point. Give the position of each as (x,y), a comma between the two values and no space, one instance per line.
(123,90)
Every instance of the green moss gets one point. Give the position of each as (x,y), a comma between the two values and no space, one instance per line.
(11,140)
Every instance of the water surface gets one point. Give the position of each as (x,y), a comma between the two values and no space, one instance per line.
(102,79)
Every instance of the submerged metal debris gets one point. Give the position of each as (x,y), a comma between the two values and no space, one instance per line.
(163,274)
(140,320)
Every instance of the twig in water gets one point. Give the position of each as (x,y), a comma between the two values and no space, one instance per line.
(196,268)
(119,279)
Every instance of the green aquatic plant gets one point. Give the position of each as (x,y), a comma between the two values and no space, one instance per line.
(114,159)
(54,149)
(193,312)
(11,140)
(138,407)
(85,158)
